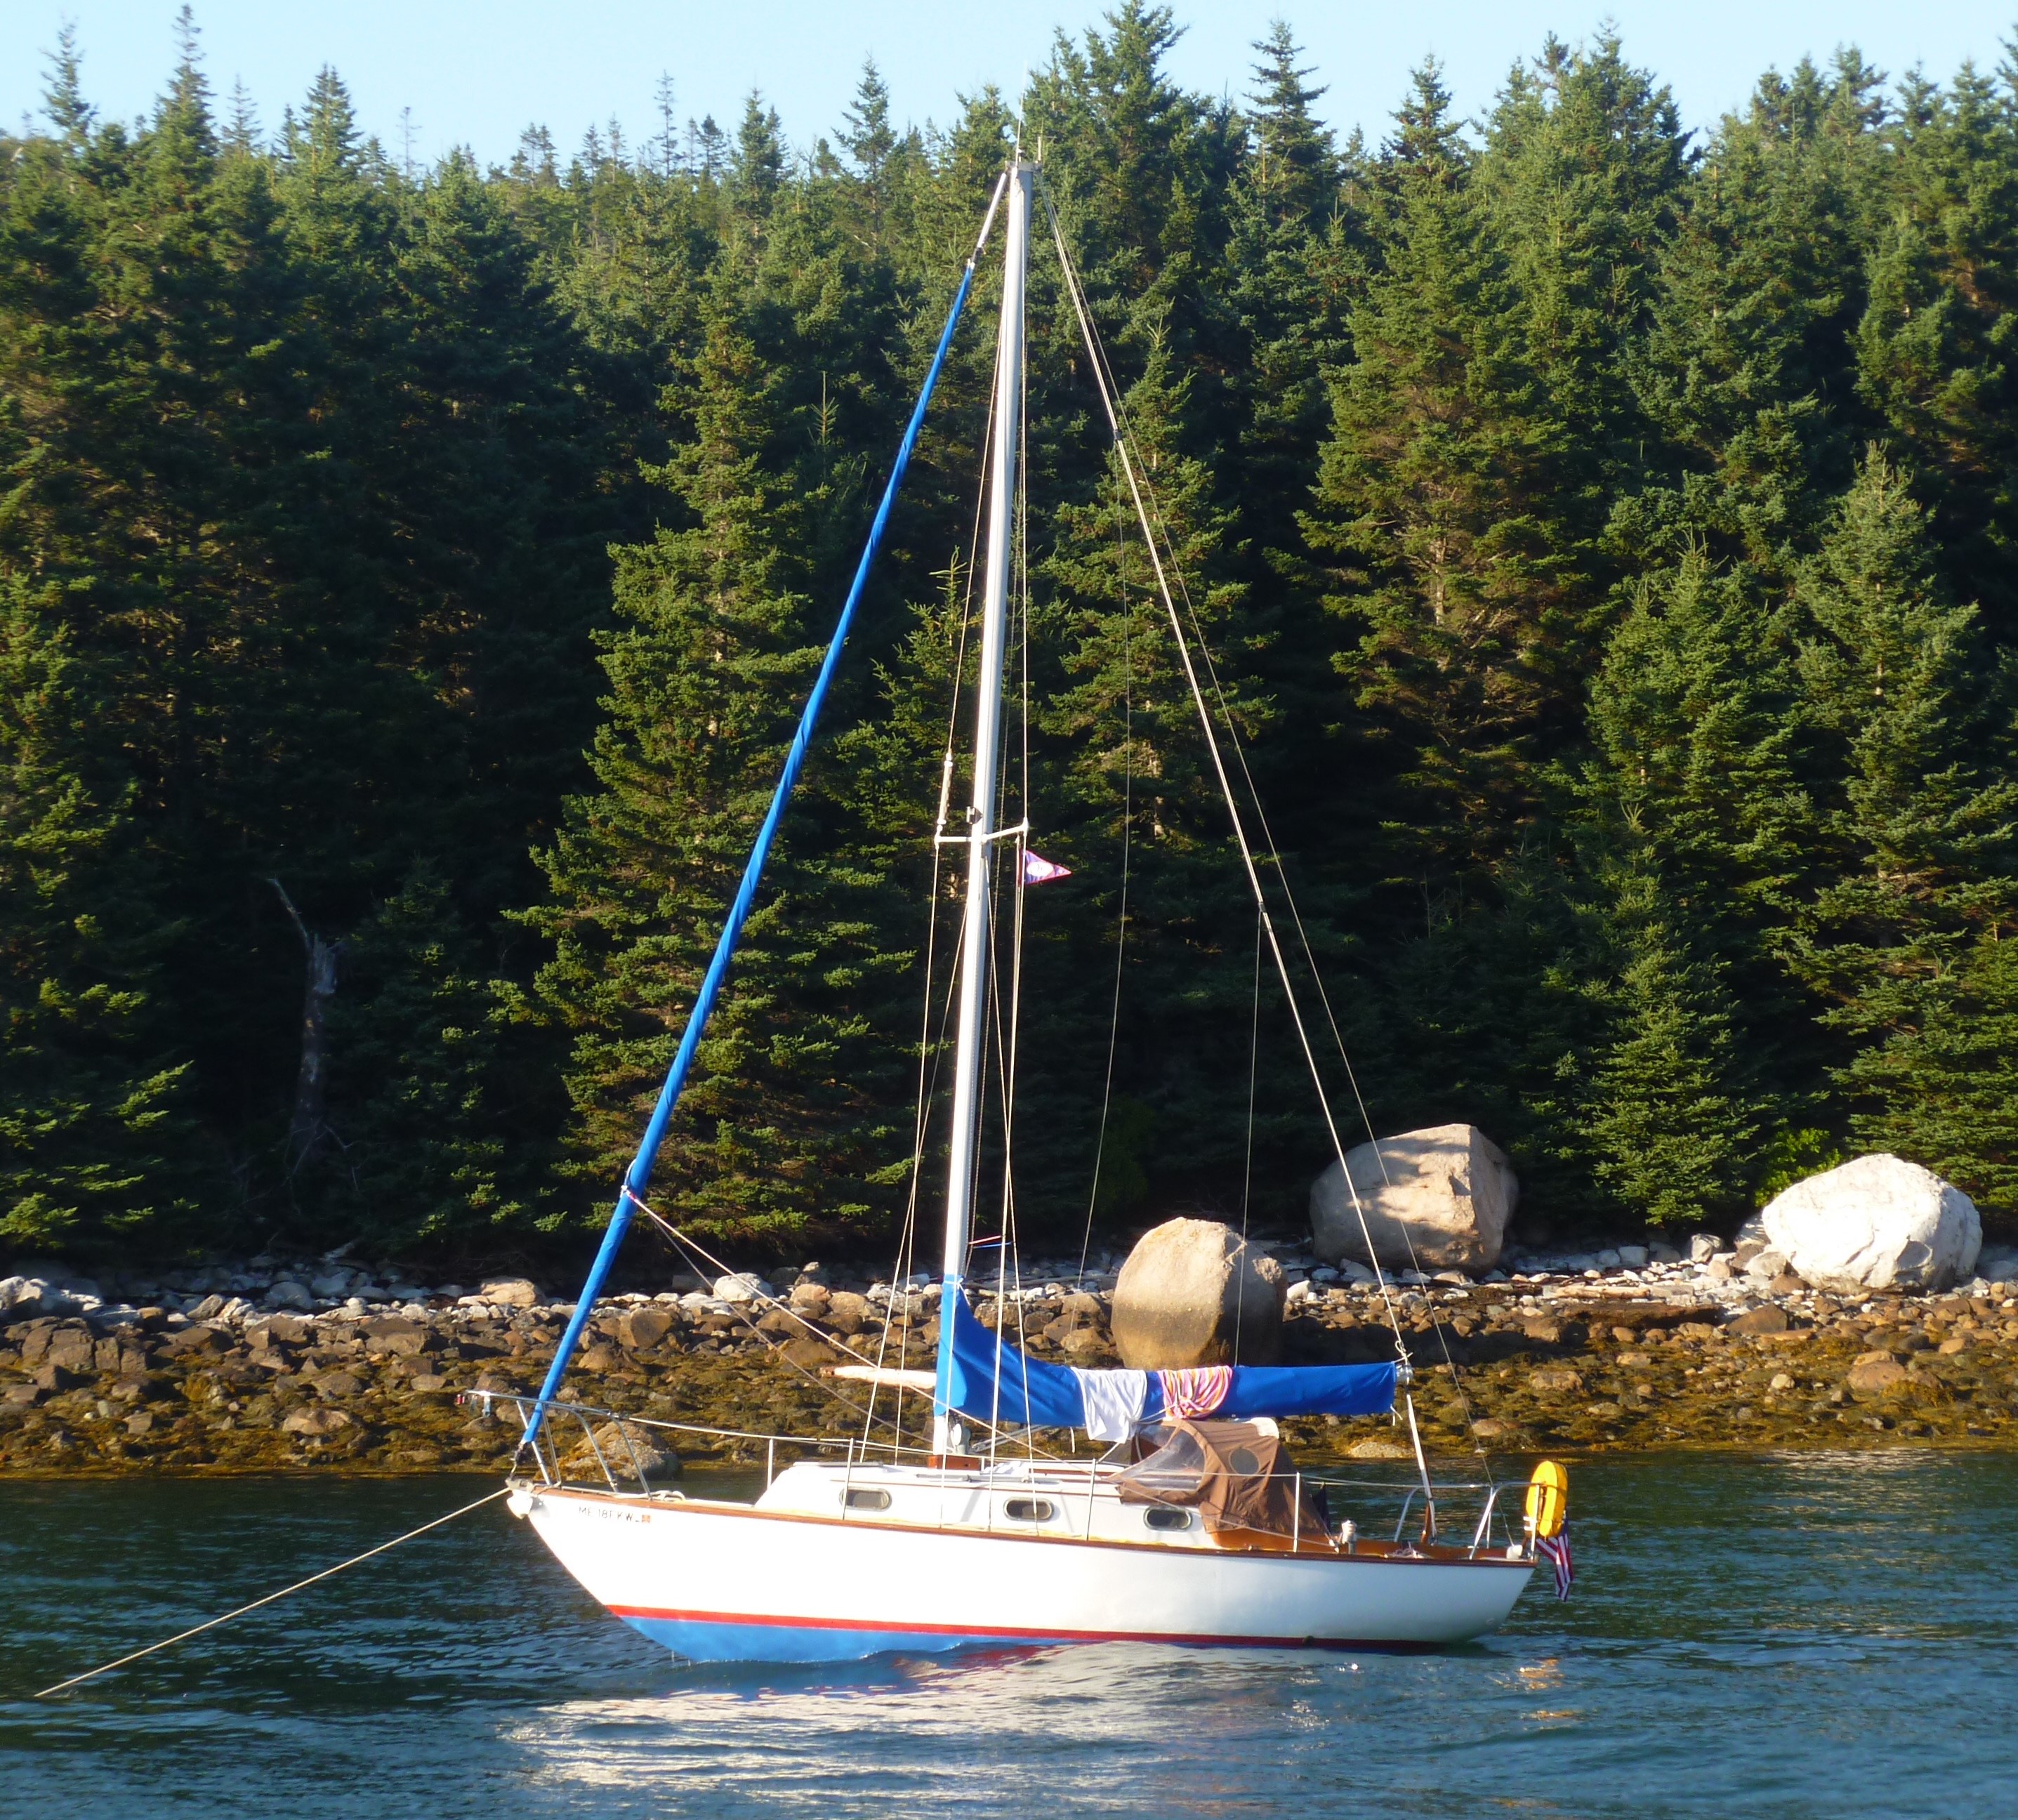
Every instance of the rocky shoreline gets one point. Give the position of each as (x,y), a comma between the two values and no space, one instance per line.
(256,1369)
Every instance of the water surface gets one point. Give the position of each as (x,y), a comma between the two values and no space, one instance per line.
(1814,1636)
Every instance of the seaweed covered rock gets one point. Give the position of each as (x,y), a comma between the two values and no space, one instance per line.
(625,1450)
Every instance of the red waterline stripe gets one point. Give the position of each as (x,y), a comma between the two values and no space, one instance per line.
(1008,1634)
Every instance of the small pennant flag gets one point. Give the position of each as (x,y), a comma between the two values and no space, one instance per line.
(1556,1549)
(1038,870)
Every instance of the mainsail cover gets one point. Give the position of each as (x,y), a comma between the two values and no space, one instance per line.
(994,1381)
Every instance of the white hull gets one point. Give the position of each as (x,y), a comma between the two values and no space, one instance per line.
(716,1581)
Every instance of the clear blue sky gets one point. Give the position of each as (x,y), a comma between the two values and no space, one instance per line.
(477,74)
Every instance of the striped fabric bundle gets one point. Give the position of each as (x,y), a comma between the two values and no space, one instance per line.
(1197,1392)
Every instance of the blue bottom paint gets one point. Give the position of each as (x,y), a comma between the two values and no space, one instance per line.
(698,1640)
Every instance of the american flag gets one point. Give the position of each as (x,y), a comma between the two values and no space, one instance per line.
(1556,1548)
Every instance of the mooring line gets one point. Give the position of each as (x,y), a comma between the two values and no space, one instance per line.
(197,1631)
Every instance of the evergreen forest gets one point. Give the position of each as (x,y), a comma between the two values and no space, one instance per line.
(1605,536)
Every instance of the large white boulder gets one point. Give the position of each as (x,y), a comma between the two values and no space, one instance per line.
(1439,1199)
(1880,1222)
(1194,1291)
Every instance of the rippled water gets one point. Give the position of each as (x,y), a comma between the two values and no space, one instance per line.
(1827,1636)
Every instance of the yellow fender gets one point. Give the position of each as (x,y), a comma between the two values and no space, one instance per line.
(1548,1504)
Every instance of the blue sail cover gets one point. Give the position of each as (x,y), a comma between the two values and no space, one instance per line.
(994,1381)
(638,1178)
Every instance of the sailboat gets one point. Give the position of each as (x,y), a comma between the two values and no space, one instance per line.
(1189,1527)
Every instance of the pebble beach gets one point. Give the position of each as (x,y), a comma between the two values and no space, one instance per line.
(261,1367)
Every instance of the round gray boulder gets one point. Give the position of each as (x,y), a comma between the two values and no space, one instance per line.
(1438,1199)
(1878,1222)
(1194,1291)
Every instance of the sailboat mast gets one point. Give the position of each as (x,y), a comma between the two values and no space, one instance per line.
(981,810)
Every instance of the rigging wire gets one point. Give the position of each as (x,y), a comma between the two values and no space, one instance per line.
(1109,401)
(688,1246)
(1127,846)
(1269,841)
(931,1052)
(1324,997)
(1274,851)
(1317,976)
(1247,1172)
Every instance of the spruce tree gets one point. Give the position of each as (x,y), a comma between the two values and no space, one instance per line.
(1695,771)
(1139,168)
(1746,367)
(1941,1086)
(1922,814)
(1673,1117)
(1930,349)
(1584,165)
(756,170)
(870,139)
(91,1109)
(1296,264)
(1294,168)
(781,1122)
(1439,511)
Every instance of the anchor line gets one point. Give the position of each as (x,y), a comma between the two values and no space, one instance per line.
(240,1612)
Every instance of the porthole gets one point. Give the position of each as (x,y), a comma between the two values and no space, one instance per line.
(1027,1510)
(868,1500)
(1158,1518)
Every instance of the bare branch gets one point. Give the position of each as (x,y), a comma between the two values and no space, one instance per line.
(308,941)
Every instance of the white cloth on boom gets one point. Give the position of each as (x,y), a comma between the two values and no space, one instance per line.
(1114,1402)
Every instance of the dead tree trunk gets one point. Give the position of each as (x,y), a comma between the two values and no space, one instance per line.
(308,1126)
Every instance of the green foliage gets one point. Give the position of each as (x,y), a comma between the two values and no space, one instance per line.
(1605,548)
(1673,1133)
(706,672)
(1440,500)
(425,1148)
(90,1118)
(302,462)
(1904,941)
